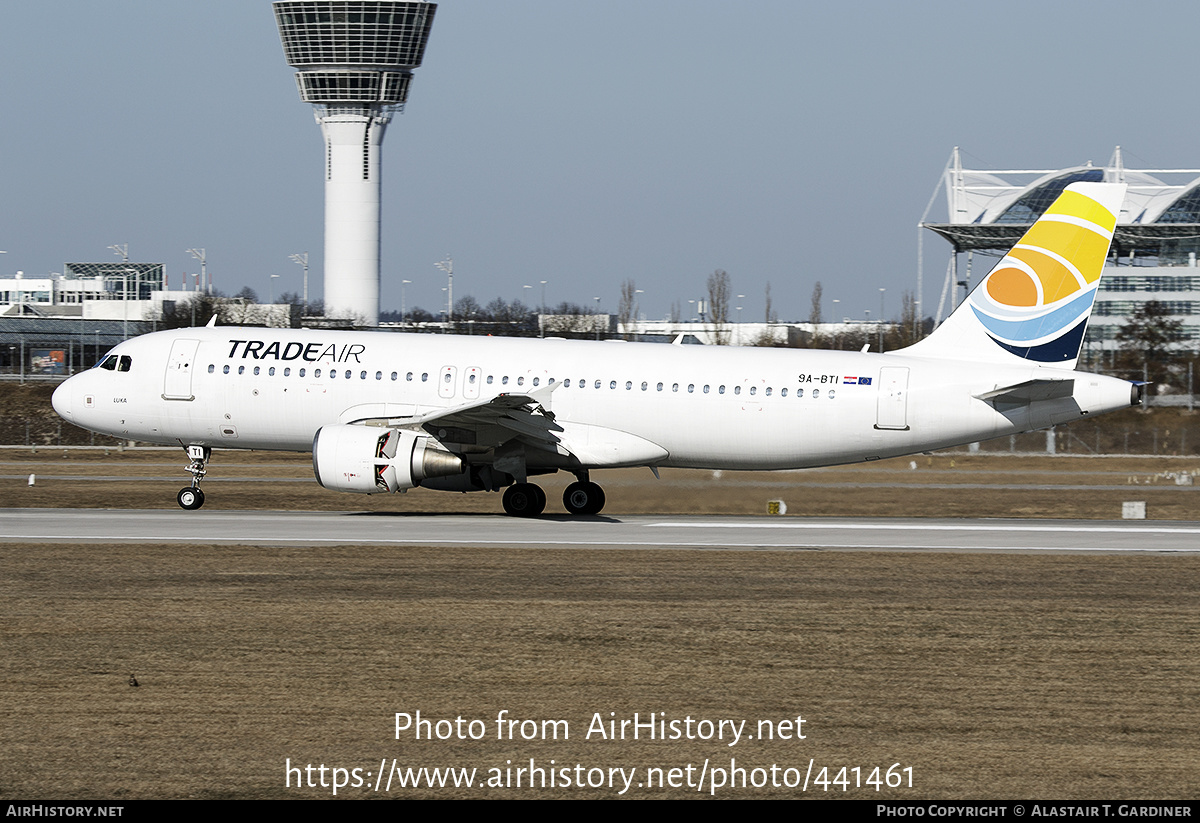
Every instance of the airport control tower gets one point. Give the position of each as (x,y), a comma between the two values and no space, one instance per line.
(354,61)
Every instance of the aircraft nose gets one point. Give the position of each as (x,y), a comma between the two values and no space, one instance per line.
(61,400)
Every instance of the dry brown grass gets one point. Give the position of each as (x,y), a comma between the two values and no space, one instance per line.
(993,676)
(943,485)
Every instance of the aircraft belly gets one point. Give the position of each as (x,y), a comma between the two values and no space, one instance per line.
(774,433)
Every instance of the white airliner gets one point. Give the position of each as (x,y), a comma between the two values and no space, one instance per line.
(386,412)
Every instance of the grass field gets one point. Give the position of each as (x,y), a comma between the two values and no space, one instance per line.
(992,676)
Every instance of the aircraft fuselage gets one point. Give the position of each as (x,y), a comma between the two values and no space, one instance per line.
(618,403)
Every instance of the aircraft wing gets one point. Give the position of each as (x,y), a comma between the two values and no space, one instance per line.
(489,423)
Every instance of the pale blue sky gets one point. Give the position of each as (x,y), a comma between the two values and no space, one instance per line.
(581,144)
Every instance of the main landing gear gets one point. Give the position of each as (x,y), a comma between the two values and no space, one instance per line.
(524,500)
(583,497)
(190,497)
(528,500)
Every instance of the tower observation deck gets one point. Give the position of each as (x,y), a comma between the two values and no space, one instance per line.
(354,62)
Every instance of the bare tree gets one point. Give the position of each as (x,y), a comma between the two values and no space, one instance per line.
(814,315)
(627,308)
(767,338)
(909,329)
(1148,340)
(718,306)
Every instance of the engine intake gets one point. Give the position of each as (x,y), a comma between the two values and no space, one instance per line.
(369,460)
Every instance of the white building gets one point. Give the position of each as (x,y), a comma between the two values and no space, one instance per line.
(128,292)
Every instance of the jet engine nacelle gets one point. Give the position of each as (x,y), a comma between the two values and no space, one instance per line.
(369,460)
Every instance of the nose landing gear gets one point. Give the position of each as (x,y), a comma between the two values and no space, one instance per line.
(190,497)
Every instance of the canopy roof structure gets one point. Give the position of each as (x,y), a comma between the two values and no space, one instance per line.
(990,210)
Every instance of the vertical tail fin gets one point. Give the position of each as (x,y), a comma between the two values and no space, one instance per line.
(1035,304)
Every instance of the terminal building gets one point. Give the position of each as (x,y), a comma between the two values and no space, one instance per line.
(1153,254)
(91,291)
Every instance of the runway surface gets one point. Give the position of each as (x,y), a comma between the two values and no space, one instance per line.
(642,531)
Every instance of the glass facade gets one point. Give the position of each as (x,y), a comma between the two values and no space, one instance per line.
(1031,206)
(354,32)
(353,86)
(1184,210)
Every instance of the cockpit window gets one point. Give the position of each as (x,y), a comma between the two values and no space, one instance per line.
(116,362)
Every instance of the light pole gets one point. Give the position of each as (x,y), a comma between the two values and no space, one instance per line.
(199,255)
(541,326)
(301,258)
(596,317)
(403,283)
(880,319)
(447,266)
(274,277)
(125,304)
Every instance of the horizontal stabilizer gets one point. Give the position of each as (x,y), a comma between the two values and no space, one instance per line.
(1030,391)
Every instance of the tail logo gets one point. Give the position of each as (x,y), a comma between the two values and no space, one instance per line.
(1036,302)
